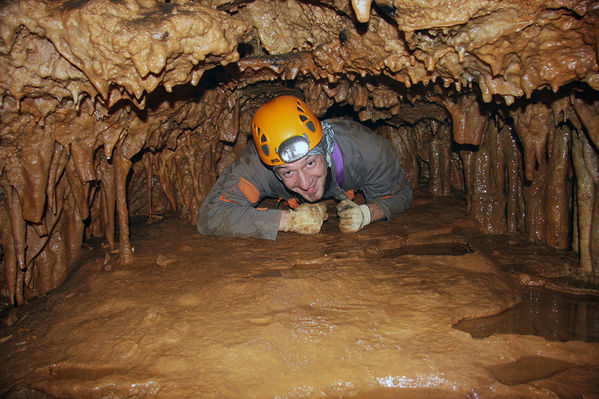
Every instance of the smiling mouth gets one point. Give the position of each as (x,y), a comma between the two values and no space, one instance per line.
(310,190)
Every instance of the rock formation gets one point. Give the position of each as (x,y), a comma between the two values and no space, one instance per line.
(114,108)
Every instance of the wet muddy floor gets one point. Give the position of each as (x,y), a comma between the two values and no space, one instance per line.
(367,315)
(555,316)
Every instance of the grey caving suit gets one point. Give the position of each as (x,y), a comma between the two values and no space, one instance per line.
(370,165)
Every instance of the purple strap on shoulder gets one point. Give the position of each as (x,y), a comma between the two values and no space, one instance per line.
(338,158)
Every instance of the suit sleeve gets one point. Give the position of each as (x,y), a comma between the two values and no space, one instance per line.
(230,207)
(387,185)
(378,174)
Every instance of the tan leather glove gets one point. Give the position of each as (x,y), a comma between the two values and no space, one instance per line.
(352,217)
(307,218)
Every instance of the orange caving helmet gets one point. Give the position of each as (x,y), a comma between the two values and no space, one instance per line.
(285,130)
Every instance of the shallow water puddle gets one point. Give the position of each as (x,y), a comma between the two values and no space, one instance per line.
(549,314)
(528,368)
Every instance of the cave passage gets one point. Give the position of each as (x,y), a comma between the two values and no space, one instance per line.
(113,112)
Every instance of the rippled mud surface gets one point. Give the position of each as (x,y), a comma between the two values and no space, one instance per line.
(368,315)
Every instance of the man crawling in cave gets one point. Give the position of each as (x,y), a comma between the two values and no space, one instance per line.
(303,161)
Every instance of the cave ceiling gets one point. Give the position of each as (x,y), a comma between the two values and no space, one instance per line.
(67,51)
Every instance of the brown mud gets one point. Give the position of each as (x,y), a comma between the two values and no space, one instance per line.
(366,315)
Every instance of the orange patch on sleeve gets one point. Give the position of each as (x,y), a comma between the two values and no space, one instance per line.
(249,190)
(386,196)
(293,203)
(350,194)
(261,209)
(222,198)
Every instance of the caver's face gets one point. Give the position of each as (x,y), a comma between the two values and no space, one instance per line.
(306,176)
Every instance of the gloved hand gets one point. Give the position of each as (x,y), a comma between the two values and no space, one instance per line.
(307,218)
(352,217)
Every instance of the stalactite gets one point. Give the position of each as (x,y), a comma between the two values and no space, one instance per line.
(533,123)
(468,120)
(404,143)
(588,112)
(18,227)
(52,266)
(468,163)
(73,230)
(498,156)
(121,169)
(36,154)
(457,173)
(20,287)
(59,161)
(558,191)
(79,190)
(10,256)
(534,201)
(440,160)
(147,163)
(422,136)
(163,164)
(587,109)
(488,198)
(586,166)
(50,263)
(515,209)
(181,166)
(106,177)
(197,197)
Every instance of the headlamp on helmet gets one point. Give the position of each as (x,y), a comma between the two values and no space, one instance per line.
(285,130)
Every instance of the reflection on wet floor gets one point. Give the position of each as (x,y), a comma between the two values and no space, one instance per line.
(439,249)
(549,314)
(528,368)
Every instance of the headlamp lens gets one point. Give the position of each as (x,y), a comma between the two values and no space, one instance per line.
(293,149)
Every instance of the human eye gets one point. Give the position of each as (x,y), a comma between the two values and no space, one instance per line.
(286,173)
